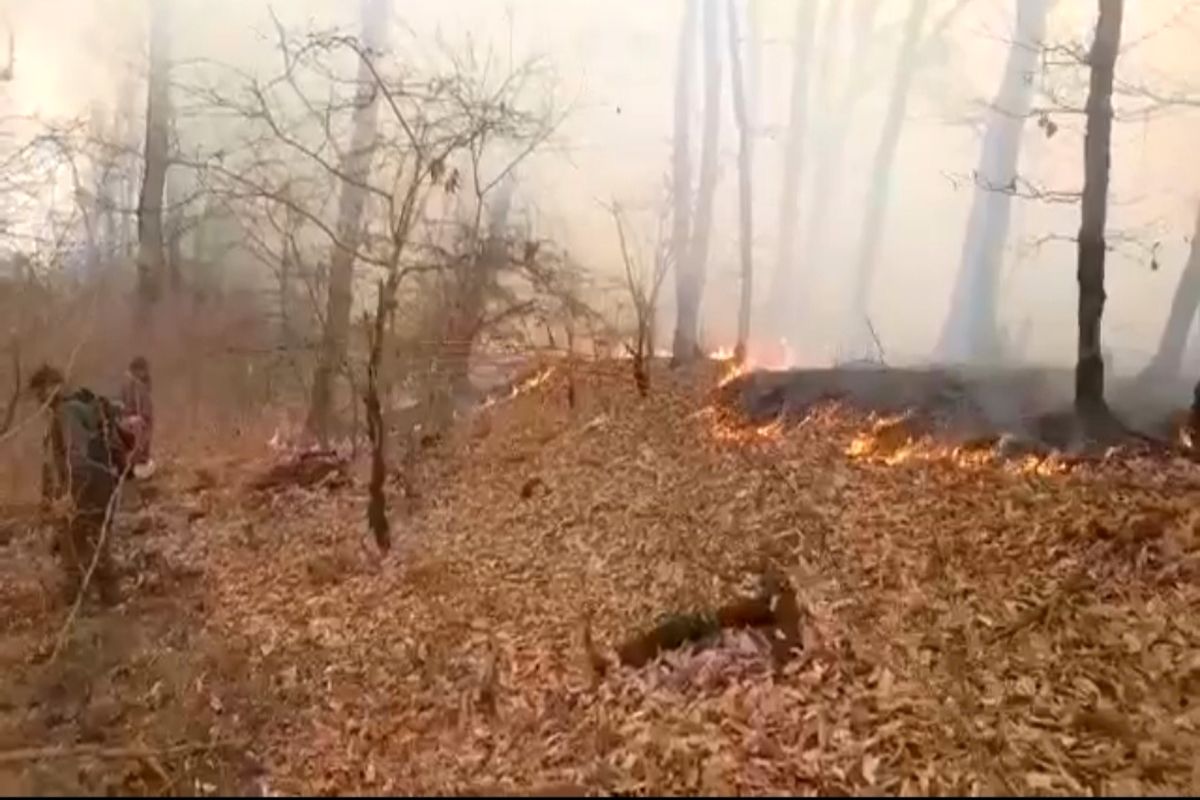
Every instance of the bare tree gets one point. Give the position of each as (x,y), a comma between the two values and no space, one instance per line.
(694,266)
(793,158)
(1168,359)
(744,113)
(356,163)
(643,283)
(151,241)
(434,122)
(970,329)
(681,161)
(1089,372)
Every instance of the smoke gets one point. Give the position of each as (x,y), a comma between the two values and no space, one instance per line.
(615,59)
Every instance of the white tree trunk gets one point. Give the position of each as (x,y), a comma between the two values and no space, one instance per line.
(687,323)
(970,332)
(1168,360)
(827,177)
(744,113)
(881,173)
(681,163)
(793,160)
(356,165)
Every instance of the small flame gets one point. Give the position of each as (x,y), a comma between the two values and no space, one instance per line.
(525,386)
(723,354)
(779,357)
(533,383)
(726,428)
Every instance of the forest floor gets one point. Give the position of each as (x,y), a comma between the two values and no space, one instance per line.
(969,625)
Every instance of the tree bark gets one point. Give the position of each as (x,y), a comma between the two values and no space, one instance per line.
(969,332)
(881,172)
(687,326)
(357,163)
(1168,360)
(793,159)
(745,121)
(151,256)
(377,518)
(681,161)
(1089,372)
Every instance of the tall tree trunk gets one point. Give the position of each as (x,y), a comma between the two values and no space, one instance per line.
(150,262)
(174,225)
(288,330)
(356,164)
(127,181)
(827,178)
(881,171)
(681,162)
(687,325)
(793,158)
(1169,359)
(970,329)
(745,120)
(822,81)
(1089,372)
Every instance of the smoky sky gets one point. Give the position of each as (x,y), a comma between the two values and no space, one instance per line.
(614,66)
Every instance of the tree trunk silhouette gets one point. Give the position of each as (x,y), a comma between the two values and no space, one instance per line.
(356,165)
(1168,360)
(881,173)
(687,323)
(1089,372)
(681,161)
(970,328)
(151,255)
(745,121)
(793,161)
(174,224)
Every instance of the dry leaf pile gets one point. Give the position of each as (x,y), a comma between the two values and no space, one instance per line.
(968,627)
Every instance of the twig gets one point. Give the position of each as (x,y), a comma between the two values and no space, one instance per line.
(96,751)
(105,526)
(878,344)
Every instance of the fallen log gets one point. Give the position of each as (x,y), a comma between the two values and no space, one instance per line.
(305,470)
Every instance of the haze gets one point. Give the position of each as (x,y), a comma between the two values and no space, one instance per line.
(615,65)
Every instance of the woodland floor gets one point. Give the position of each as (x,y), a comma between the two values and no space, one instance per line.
(970,626)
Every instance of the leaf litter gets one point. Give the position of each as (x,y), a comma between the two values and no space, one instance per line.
(968,626)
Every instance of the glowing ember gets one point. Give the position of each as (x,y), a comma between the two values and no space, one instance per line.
(888,437)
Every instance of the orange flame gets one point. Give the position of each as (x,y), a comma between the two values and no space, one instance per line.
(525,386)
